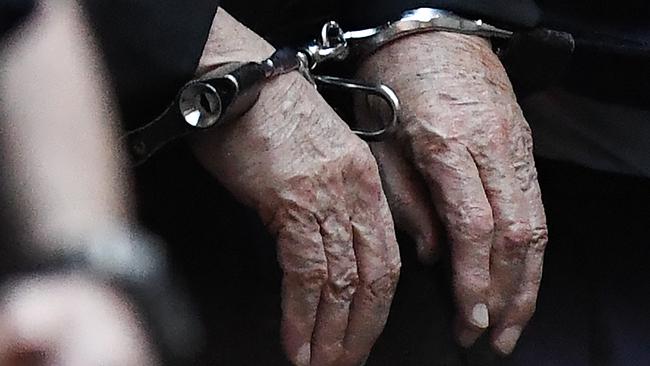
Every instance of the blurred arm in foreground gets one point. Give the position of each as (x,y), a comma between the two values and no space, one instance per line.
(63,178)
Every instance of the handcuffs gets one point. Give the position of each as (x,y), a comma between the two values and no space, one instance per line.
(215,100)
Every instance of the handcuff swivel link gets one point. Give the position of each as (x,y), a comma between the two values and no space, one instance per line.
(219,97)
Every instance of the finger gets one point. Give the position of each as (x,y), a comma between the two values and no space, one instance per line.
(409,200)
(302,258)
(336,296)
(512,232)
(407,195)
(521,308)
(378,260)
(461,202)
(519,311)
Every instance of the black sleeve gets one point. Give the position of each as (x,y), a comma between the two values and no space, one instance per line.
(151,47)
(510,13)
(284,22)
(12,12)
(291,22)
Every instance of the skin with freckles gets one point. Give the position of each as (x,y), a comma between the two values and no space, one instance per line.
(317,188)
(464,141)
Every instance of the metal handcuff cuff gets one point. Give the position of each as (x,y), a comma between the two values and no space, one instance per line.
(215,100)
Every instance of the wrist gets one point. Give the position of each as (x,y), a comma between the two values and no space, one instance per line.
(409,63)
(277,103)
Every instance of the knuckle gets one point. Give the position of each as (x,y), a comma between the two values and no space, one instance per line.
(479,224)
(313,277)
(539,238)
(515,241)
(385,282)
(292,218)
(344,287)
(517,234)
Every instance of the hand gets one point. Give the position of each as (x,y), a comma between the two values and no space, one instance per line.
(317,188)
(466,136)
(69,321)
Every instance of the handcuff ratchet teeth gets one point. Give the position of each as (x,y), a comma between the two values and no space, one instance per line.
(230,91)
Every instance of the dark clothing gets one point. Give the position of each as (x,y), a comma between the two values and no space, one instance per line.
(610,64)
(607,34)
(612,58)
(578,129)
(589,313)
(592,307)
(595,295)
(12,12)
(151,47)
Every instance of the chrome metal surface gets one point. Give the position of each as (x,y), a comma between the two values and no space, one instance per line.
(421,20)
(385,93)
(219,98)
(335,44)
(200,104)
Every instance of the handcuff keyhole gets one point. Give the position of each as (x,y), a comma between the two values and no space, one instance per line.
(205,104)
(200,105)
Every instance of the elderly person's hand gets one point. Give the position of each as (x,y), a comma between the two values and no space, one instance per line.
(69,320)
(466,137)
(317,188)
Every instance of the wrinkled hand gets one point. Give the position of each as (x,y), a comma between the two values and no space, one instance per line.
(69,321)
(317,188)
(465,134)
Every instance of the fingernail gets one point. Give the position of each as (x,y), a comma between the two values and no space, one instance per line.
(467,338)
(507,340)
(480,317)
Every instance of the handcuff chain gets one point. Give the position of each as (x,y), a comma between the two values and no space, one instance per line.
(335,44)
(215,100)
(332,45)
